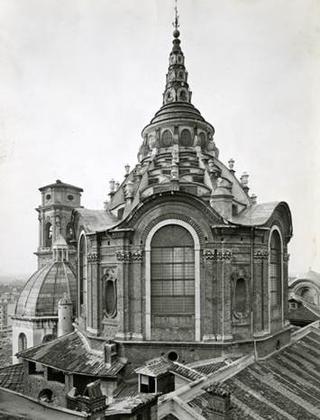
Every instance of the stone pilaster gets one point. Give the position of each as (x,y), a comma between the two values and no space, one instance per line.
(93,291)
(260,259)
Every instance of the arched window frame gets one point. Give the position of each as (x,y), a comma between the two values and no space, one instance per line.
(109,278)
(237,276)
(69,232)
(186,132)
(166,138)
(82,275)
(22,342)
(273,229)
(48,230)
(195,237)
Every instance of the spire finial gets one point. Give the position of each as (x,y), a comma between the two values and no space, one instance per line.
(176,16)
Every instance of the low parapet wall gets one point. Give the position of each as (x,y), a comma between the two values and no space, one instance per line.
(15,404)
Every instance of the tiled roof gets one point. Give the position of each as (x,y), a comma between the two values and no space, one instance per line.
(185,371)
(126,390)
(11,377)
(70,353)
(286,385)
(207,367)
(155,367)
(303,314)
(44,289)
(95,220)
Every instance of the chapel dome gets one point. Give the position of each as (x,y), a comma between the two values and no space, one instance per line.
(44,289)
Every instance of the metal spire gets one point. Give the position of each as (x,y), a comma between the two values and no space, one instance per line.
(176,16)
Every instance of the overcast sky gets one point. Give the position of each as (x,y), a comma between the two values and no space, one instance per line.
(79,79)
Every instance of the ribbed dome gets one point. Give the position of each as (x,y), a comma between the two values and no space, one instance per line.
(44,289)
(179,110)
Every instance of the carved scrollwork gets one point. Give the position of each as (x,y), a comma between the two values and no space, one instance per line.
(216,255)
(129,256)
(261,254)
(286,257)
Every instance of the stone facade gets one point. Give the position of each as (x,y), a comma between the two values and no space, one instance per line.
(238,248)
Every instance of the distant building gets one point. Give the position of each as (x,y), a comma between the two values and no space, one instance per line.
(304,298)
(36,315)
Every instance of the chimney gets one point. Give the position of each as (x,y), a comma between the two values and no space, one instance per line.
(219,407)
(110,353)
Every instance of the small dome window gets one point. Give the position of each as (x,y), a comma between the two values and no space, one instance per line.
(202,138)
(186,139)
(70,197)
(48,196)
(183,95)
(166,138)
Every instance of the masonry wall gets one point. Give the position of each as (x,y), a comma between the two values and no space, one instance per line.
(227,254)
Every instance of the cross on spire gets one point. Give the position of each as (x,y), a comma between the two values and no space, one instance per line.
(176,15)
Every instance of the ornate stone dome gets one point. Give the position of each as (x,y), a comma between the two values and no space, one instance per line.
(49,284)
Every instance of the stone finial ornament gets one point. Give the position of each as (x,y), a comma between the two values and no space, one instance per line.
(244,179)
(127,169)
(231,164)
(112,184)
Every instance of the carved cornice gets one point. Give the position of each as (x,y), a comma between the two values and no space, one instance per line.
(261,254)
(129,256)
(215,255)
(93,257)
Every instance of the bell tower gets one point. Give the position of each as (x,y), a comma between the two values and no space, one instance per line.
(57,202)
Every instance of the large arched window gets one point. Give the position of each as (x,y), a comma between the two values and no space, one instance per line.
(275,273)
(22,342)
(172,272)
(48,235)
(82,274)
